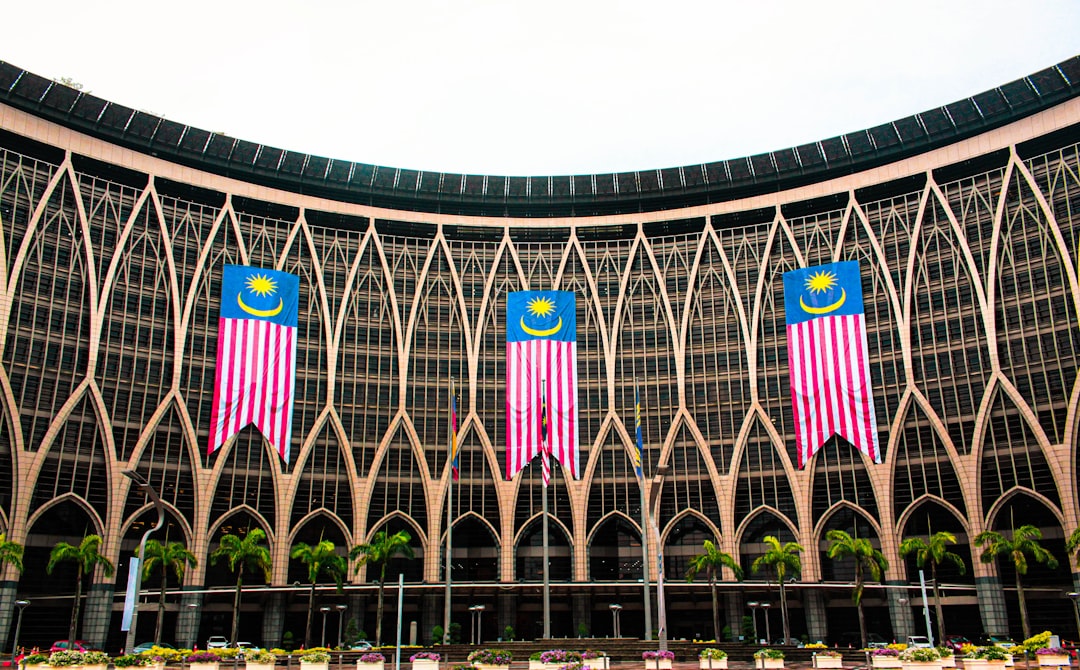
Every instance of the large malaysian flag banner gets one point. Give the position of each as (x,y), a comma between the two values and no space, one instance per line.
(831,393)
(541,379)
(256,357)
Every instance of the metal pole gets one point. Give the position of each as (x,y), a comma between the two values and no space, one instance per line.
(400,607)
(1073,595)
(768,626)
(661,604)
(325,610)
(21,604)
(926,608)
(644,537)
(753,605)
(449,529)
(340,615)
(547,575)
(141,482)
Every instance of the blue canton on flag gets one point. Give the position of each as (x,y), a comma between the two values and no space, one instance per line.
(829,368)
(256,357)
(637,429)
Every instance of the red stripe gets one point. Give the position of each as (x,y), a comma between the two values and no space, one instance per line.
(791,334)
(867,390)
(214,411)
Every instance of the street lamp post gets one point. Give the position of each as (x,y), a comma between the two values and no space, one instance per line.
(768,627)
(194,624)
(661,604)
(754,605)
(340,615)
(325,609)
(21,605)
(141,482)
(615,609)
(477,612)
(1074,597)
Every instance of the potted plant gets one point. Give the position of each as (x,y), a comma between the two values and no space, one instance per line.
(923,658)
(885,657)
(371,660)
(711,658)
(947,656)
(596,660)
(1052,656)
(425,660)
(824,657)
(65,659)
(260,660)
(768,658)
(31,661)
(658,660)
(130,661)
(316,658)
(983,658)
(203,660)
(487,659)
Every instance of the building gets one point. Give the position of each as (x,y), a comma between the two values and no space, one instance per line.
(115,224)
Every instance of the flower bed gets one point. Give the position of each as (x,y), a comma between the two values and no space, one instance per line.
(490,657)
(712,659)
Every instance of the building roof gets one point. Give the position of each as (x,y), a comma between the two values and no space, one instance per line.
(538,196)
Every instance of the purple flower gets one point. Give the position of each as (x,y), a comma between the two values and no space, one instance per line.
(1052,651)
(372,657)
(203,657)
(885,651)
(424,656)
(662,655)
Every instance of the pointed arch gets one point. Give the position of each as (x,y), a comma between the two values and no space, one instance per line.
(612,483)
(923,465)
(761,479)
(689,485)
(397,486)
(167,460)
(324,480)
(529,555)
(1010,453)
(245,476)
(77,459)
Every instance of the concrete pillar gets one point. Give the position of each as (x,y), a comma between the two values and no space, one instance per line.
(817,625)
(96,613)
(431,614)
(580,604)
(735,607)
(273,625)
(506,604)
(187,620)
(7,614)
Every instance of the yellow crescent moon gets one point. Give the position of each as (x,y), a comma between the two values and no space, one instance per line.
(265,313)
(827,308)
(541,333)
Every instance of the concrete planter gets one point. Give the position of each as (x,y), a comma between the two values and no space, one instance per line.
(768,663)
(258,666)
(488,666)
(317,665)
(821,661)
(1053,660)
(717,663)
(982,664)
(948,661)
(885,661)
(598,663)
(657,664)
(203,666)
(377,665)
(921,665)
(425,664)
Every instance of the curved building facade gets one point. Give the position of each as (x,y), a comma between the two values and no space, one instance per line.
(115,225)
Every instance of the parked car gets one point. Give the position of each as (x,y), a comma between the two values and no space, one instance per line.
(217,642)
(995,641)
(919,642)
(853,639)
(147,646)
(956,642)
(360,645)
(79,645)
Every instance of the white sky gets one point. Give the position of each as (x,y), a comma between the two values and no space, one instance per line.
(507,87)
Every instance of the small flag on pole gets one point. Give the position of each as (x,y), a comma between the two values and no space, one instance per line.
(455,455)
(545,446)
(637,429)
(831,392)
(256,356)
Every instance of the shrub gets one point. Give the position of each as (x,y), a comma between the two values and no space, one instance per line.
(438,635)
(1052,651)
(129,661)
(944,652)
(919,654)
(560,656)
(202,657)
(662,655)
(885,651)
(462,666)
(425,656)
(35,659)
(491,657)
(508,633)
(992,653)
(164,654)
(315,655)
(899,646)
(590,654)
(372,657)
(817,645)
(830,653)
(769,652)
(714,654)
(261,656)
(62,659)
(1035,642)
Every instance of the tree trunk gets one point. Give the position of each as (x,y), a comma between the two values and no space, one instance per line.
(73,631)
(379,611)
(858,590)
(783,613)
(159,624)
(937,606)
(310,615)
(1023,607)
(236,606)
(715,608)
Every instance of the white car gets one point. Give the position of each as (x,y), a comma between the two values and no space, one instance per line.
(217,642)
(919,642)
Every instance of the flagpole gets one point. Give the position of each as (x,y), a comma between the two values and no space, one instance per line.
(644,520)
(449,520)
(547,582)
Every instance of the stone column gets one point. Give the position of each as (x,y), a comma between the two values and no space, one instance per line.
(995,618)
(903,621)
(7,614)
(817,624)
(187,620)
(432,615)
(580,611)
(273,626)
(506,603)
(735,607)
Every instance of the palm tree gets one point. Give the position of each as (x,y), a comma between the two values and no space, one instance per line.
(867,559)
(1024,542)
(712,562)
(379,551)
(319,558)
(11,553)
(935,553)
(86,556)
(173,557)
(784,560)
(247,553)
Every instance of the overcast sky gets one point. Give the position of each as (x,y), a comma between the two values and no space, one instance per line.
(509,87)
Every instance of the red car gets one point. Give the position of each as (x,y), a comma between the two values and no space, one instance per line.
(80,645)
